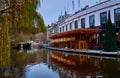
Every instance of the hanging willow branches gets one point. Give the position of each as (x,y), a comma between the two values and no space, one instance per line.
(22,15)
(4,45)
(17,16)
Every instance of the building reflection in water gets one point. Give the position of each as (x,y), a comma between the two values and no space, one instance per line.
(70,65)
(74,66)
(65,65)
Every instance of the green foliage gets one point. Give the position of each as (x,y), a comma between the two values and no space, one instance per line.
(40,23)
(27,16)
(22,16)
(0,2)
(17,16)
(4,46)
(110,42)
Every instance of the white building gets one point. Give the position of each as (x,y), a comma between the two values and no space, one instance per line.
(88,19)
(93,17)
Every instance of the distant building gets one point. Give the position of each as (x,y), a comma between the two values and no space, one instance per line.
(54,27)
(40,37)
(85,29)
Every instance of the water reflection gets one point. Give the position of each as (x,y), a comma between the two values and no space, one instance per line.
(110,68)
(52,64)
(40,71)
(19,60)
(74,66)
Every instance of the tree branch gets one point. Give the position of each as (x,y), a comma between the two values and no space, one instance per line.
(3,10)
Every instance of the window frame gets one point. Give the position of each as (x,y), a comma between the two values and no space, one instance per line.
(83,25)
(90,24)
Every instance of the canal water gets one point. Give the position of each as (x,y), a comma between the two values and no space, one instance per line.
(53,64)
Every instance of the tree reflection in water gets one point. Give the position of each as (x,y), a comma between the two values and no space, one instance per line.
(111,68)
(19,60)
(66,65)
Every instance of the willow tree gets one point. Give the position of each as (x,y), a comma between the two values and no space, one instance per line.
(4,45)
(39,22)
(16,16)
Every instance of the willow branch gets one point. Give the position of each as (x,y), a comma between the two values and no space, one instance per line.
(3,10)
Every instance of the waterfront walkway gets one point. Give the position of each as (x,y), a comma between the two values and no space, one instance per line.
(90,52)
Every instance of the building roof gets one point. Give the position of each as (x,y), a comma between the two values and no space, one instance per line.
(93,9)
(75,32)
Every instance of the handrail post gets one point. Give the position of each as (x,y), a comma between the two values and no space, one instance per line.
(117,53)
(100,52)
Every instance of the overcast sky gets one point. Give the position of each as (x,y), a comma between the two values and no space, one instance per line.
(51,9)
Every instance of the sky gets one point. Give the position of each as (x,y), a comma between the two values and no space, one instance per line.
(50,10)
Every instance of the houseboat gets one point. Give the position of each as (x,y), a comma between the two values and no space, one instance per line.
(85,28)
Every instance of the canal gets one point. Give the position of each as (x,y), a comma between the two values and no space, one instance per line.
(52,64)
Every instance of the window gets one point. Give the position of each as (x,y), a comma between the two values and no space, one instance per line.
(66,27)
(60,29)
(117,18)
(92,21)
(83,23)
(103,19)
(117,10)
(63,28)
(117,24)
(70,26)
(76,24)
